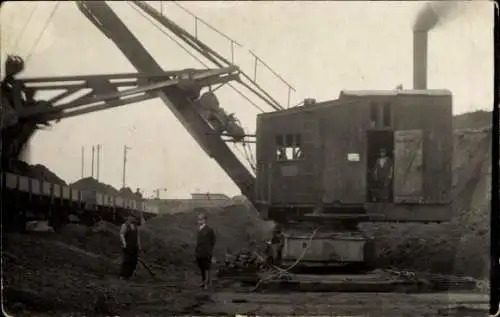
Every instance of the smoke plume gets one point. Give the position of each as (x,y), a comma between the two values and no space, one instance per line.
(433,14)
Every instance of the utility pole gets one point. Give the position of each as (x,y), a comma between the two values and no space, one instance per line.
(83,161)
(124,174)
(98,161)
(92,161)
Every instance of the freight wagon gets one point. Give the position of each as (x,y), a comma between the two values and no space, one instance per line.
(25,198)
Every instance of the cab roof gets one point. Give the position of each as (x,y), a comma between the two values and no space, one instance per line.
(429,92)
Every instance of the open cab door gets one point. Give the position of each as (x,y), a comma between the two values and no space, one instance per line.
(408,166)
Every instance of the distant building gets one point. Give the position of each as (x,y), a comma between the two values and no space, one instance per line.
(153,206)
(209,196)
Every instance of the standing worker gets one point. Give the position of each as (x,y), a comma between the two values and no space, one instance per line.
(277,244)
(131,245)
(204,249)
(382,174)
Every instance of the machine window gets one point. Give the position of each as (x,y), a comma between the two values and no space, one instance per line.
(373,114)
(387,115)
(289,147)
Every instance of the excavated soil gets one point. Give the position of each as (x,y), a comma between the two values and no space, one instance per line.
(89,183)
(75,270)
(236,227)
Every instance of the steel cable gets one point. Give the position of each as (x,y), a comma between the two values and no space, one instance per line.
(281,271)
(191,54)
(14,47)
(28,56)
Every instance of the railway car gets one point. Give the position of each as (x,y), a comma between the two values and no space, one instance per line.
(25,198)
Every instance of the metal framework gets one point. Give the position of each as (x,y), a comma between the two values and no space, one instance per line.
(174,97)
(179,90)
(103,92)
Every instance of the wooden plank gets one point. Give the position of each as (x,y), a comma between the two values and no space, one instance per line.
(408,165)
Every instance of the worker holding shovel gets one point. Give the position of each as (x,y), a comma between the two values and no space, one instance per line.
(131,245)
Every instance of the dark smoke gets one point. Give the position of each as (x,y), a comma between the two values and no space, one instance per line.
(433,14)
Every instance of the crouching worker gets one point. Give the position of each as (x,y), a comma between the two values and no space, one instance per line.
(131,245)
(204,249)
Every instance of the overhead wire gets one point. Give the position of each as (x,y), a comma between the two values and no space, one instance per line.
(267,97)
(21,34)
(286,271)
(30,53)
(245,156)
(192,55)
(168,35)
(206,23)
(247,153)
(249,156)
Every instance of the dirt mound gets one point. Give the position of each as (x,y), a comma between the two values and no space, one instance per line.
(236,227)
(89,183)
(472,120)
(35,171)
(461,245)
(76,270)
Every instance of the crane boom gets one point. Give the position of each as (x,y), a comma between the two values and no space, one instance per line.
(104,92)
(105,19)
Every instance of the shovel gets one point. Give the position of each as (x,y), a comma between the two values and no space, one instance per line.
(147,268)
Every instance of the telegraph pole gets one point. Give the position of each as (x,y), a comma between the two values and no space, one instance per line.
(92,161)
(98,160)
(83,161)
(124,174)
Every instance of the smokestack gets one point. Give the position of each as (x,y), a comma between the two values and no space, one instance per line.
(429,17)
(420,59)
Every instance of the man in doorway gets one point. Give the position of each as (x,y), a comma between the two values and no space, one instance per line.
(204,249)
(382,175)
(131,245)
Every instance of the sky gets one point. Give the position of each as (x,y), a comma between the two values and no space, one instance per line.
(320,48)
